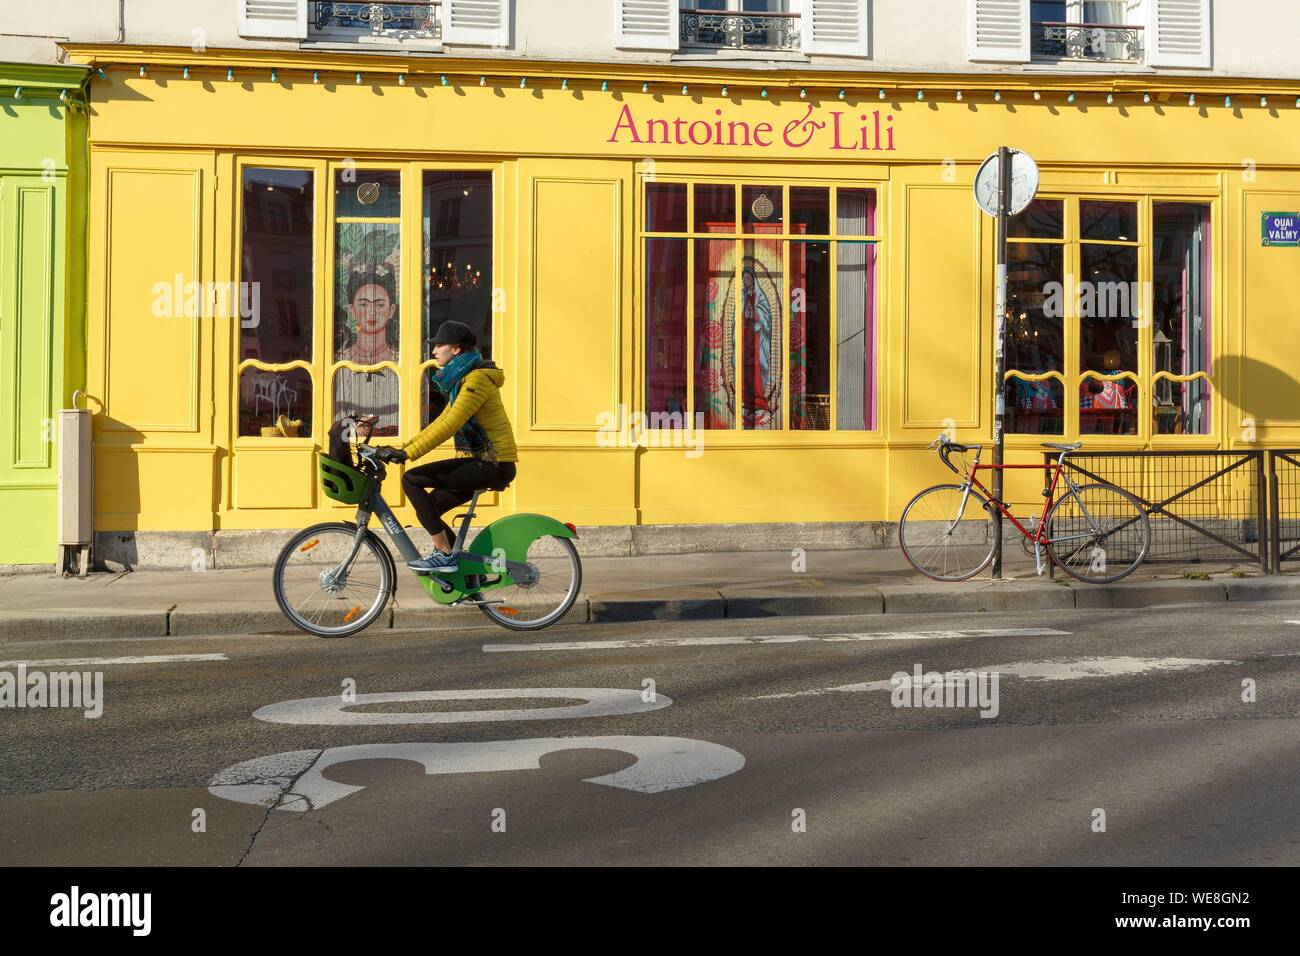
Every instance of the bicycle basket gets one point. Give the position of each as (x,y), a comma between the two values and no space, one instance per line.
(342,482)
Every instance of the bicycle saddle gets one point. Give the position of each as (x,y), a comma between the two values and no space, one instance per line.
(1063,447)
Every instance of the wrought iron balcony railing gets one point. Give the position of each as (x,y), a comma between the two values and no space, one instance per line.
(718,29)
(416,20)
(1097,42)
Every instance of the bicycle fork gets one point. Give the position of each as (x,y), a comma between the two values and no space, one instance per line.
(965,497)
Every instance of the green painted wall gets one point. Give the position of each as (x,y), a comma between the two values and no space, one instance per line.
(42,297)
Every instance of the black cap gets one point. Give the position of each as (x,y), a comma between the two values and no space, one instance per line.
(452,332)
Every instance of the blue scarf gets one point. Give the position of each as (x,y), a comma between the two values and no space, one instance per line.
(471,437)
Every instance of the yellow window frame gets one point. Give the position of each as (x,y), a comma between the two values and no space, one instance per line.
(785,181)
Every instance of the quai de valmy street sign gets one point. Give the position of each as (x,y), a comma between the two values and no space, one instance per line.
(1004,186)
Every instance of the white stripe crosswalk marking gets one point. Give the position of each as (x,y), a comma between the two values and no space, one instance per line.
(720,640)
(93,661)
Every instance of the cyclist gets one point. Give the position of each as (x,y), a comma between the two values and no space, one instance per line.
(485,445)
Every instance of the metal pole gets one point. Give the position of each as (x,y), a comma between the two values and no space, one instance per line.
(999,346)
(1275,512)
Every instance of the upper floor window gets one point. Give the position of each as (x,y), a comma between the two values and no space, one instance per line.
(1154,33)
(377,21)
(1085,30)
(425,24)
(740,24)
(830,27)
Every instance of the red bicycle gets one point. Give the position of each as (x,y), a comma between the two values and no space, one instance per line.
(1097,533)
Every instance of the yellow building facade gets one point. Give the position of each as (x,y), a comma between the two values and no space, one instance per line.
(719,297)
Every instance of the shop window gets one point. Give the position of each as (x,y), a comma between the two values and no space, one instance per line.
(1181,334)
(1110,318)
(1109,303)
(367,280)
(1035,326)
(759,335)
(457,262)
(275,404)
(274,303)
(855,278)
(665,307)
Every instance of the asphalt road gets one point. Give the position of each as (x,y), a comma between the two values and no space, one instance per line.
(1120,737)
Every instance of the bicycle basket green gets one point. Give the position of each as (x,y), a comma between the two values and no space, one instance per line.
(342,482)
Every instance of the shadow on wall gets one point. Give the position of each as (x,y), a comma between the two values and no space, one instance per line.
(114,550)
(1266,392)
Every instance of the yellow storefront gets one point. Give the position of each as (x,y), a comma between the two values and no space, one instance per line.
(794,262)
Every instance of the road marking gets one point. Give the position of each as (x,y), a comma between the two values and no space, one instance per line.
(172,639)
(296,781)
(1072,669)
(89,661)
(597,702)
(776,639)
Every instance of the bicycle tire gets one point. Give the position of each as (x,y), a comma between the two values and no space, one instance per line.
(497,614)
(1134,551)
(911,538)
(291,606)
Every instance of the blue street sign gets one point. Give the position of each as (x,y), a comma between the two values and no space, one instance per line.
(1281,229)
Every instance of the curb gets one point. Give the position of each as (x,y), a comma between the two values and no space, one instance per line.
(664,604)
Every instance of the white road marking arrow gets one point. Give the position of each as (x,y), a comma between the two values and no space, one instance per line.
(720,640)
(92,661)
(1073,669)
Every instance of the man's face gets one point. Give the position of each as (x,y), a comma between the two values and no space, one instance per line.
(372,308)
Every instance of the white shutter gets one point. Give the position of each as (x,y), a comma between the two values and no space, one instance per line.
(999,30)
(476,22)
(647,24)
(836,27)
(282,19)
(1178,33)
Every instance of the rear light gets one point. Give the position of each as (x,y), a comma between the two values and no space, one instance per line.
(571,528)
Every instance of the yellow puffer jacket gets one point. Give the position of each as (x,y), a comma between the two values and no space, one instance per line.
(480,398)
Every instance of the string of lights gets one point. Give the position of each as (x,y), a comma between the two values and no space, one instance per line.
(729,90)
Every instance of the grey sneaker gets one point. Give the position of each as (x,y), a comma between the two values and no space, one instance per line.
(437,562)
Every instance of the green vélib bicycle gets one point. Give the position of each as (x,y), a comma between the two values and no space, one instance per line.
(334,579)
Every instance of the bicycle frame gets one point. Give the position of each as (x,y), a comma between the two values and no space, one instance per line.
(1039,535)
(492,561)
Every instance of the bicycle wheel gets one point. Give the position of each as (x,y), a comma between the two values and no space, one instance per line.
(946,535)
(322,597)
(1098,533)
(530,605)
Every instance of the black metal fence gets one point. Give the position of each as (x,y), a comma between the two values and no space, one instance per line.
(1284,504)
(1203,505)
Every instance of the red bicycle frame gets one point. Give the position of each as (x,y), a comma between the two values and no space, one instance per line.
(1039,534)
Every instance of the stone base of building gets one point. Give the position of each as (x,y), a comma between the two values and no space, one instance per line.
(196,550)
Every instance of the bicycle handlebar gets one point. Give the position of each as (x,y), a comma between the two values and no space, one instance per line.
(947,446)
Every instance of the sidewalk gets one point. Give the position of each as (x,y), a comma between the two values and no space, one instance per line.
(657,587)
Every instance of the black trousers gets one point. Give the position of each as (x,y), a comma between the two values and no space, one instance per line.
(440,486)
